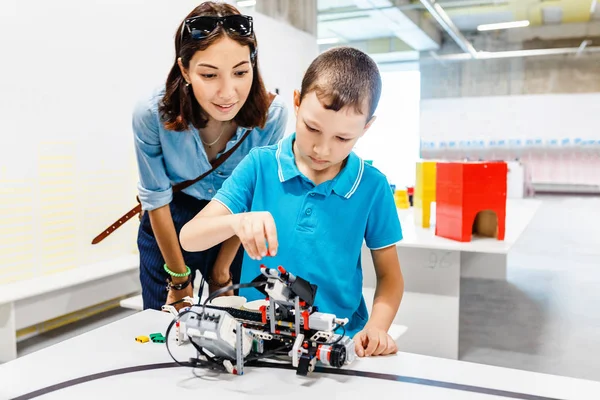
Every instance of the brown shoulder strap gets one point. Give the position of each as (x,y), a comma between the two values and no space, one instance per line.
(178,187)
(217,163)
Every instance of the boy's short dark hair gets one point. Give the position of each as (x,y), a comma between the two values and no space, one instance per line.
(344,76)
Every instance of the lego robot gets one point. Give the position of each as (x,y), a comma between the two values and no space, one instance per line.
(290,326)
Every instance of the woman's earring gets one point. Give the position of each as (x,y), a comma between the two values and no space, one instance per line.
(187,84)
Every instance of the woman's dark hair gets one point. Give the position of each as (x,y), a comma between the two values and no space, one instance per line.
(179,108)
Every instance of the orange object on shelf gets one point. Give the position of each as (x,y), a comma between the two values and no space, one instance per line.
(471,198)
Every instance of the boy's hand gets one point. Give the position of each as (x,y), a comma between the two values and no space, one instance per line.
(374,342)
(256,231)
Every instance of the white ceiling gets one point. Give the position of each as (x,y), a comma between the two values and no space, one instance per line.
(332,4)
(470,22)
(360,27)
(362,22)
(356,23)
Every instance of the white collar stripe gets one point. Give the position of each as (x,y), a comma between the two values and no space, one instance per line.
(358,178)
(277,155)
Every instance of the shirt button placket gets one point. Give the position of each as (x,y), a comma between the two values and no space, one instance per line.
(307,212)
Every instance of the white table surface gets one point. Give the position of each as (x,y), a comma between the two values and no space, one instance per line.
(519,213)
(113,346)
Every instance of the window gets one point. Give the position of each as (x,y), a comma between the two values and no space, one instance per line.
(392,142)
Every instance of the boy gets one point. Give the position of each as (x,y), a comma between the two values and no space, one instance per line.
(311,201)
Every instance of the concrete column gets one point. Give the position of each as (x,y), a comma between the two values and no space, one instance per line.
(510,76)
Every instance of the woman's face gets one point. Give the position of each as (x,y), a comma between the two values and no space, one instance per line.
(221,78)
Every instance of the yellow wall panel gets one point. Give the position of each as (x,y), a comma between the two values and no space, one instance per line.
(55,197)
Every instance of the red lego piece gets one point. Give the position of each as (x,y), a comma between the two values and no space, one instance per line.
(263,311)
(466,191)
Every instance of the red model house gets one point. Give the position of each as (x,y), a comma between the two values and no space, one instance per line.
(471,198)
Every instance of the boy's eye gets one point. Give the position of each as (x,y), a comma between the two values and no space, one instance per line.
(310,128)
(342,139)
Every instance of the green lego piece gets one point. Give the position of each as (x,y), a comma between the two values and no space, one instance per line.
(157,338)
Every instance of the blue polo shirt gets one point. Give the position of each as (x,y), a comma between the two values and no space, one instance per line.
(321,228)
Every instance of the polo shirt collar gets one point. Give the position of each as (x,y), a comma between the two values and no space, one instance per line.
(286,163)
(344,184)
(348,180)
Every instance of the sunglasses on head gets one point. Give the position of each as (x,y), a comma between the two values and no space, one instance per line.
(202,27)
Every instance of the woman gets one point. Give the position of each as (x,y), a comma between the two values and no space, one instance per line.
(214,97)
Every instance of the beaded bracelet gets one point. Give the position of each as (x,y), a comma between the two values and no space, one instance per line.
(178,275)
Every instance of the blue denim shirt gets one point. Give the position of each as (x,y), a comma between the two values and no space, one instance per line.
(166,158)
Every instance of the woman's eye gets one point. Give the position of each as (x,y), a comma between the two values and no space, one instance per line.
(208,76)
(241,73)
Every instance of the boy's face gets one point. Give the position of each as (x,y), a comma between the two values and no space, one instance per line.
(324,138)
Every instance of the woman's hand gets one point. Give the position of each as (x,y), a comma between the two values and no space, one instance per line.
(176,295)
(258,234)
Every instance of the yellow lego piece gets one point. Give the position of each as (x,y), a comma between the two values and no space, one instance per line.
(401,199)
(142,339)
(424,192)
